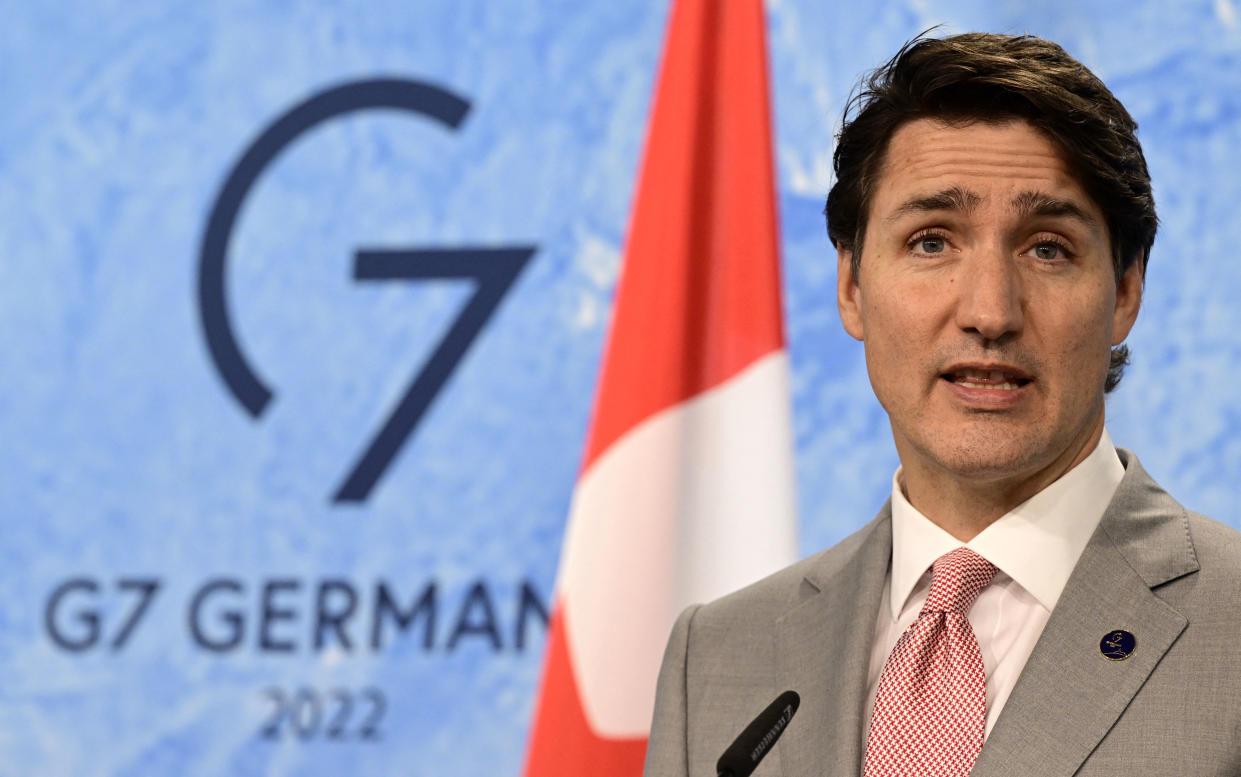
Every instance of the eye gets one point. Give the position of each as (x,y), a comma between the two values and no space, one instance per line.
(1050,250)
(1047,251)
(928,243)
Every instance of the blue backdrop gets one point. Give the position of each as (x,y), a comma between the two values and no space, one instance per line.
(188,585)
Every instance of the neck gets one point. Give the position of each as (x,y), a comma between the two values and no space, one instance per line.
(964,505)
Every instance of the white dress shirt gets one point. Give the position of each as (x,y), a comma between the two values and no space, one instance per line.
(1034,547)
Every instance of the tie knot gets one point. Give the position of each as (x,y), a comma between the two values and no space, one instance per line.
(956,580)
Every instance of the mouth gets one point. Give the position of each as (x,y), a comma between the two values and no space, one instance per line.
(987,378)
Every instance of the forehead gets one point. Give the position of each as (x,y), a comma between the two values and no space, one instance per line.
(988,159)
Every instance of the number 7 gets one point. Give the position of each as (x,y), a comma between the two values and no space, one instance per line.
(493,271)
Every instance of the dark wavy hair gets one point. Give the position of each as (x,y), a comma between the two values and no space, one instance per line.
(986,77)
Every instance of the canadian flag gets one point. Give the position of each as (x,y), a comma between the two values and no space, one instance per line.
(686,488)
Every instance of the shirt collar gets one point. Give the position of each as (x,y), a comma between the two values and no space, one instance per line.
(1037,544)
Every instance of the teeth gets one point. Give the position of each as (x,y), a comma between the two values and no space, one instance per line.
(993,386)
(996,380)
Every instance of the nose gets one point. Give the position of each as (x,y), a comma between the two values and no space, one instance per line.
(989,299)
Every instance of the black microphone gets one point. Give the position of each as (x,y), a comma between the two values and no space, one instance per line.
(751,745)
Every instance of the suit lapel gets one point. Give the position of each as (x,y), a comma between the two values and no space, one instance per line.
(823,649)
(1069,696)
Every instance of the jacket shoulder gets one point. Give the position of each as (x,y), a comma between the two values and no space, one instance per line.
(1218,550)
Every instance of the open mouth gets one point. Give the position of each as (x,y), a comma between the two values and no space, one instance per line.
(994,380)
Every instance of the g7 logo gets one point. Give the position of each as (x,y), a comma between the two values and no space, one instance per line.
(493,270)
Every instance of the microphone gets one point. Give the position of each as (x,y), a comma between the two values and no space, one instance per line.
(756,740)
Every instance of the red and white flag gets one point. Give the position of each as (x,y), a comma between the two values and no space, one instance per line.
(686,488)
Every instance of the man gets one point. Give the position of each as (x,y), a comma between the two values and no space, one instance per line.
(993,217)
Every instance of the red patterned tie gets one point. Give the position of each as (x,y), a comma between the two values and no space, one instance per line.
(930,711)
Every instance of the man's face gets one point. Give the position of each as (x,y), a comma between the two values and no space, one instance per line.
(987,303)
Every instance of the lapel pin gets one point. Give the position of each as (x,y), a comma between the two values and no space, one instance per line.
(1117,645)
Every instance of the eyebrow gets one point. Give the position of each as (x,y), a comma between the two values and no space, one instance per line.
(955,198)
(1032,203)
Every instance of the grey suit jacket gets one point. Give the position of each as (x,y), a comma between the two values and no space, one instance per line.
(1173,707)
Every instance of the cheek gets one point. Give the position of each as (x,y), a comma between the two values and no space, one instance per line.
(1082,339)
(895,339)
(905,319)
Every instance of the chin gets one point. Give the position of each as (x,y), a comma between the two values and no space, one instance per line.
(992,454)
(993,467)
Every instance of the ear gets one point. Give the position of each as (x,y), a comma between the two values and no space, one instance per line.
(1128,300)
(848,294)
